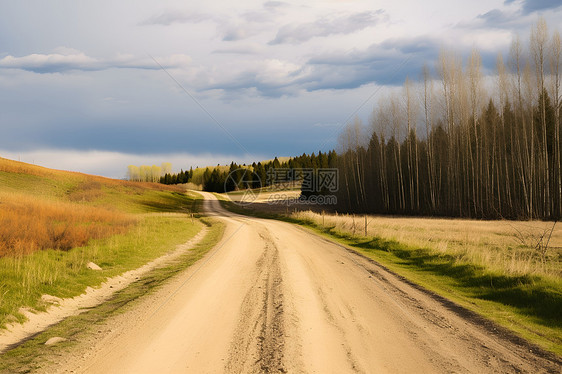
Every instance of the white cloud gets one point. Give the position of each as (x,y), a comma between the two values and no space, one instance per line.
(51,63)
(242,49)
(235,32)
(278,72)
(274,5)
(326,26)
(170,17)
(68,59)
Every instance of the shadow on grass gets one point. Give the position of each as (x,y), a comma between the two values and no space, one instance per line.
(174,202)
(532,296)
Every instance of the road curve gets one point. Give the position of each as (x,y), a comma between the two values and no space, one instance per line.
(274,298)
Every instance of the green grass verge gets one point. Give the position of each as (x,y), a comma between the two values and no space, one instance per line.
(144,201)
(64,273)
(34,354)
(528,305)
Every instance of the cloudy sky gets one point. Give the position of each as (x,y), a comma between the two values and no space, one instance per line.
(94,86)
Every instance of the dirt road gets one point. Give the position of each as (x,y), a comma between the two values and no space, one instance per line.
(272,297)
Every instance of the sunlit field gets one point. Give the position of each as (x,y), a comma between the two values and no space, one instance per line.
(42,208)
(28,224)
(514,248)
(52,223)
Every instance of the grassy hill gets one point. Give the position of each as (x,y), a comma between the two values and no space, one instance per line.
(52,223)
(56,185)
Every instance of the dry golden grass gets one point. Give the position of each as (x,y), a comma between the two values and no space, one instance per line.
(87,191)
(42,208)
(505,246)
(28,224)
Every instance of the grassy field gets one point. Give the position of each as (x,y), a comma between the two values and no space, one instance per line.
(491,268)
(52,223)
(508,247)
(64,273)
(34,354)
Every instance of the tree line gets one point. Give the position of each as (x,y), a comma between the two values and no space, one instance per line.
(457,143)
(260,174)
(147,173)
(235,176)
(177,178)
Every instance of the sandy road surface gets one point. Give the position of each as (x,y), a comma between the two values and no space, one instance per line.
(273,298)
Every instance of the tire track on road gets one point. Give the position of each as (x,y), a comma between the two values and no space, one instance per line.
(258,342)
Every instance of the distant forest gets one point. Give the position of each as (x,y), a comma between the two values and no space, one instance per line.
(489,146)
(217,179)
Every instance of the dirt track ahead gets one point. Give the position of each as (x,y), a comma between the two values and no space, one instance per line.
(273,298)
